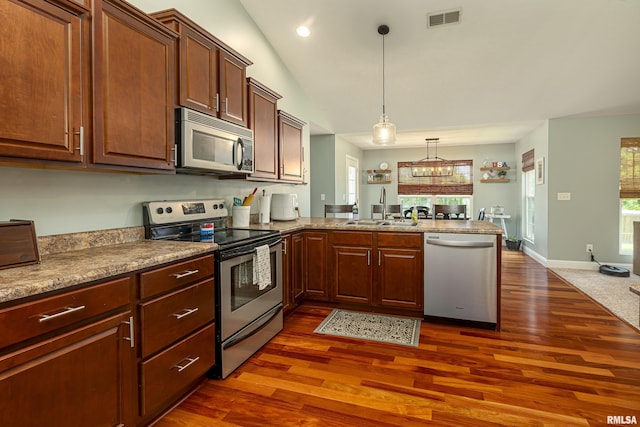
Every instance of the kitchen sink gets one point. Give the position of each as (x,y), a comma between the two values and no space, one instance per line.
(380,223)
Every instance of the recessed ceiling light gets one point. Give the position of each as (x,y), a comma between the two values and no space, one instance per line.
(303,31)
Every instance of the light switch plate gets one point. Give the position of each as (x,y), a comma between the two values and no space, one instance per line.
(564,196)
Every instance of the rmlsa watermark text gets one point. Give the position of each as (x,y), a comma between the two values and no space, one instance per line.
(625,420)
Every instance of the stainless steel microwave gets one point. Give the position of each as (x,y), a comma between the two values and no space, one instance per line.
(210,145)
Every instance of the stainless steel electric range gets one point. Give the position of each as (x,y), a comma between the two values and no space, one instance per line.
(247,315)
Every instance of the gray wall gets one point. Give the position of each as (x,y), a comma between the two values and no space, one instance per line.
(323,172)
(538,140)
(584,159)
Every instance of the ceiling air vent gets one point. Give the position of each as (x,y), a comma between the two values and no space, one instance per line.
(443,18)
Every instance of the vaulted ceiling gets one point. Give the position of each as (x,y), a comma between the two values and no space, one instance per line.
(492,77)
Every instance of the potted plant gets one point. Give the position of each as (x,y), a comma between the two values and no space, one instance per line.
(513,243)
(502,174)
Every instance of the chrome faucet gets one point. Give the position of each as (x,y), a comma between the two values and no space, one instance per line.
(383,201)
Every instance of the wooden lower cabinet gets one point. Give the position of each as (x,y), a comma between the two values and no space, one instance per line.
(315,265)
(377,269)
(351,268)
(81,378)
(292,270)
(176,336)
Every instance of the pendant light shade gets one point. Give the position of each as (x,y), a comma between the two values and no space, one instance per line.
(384,132)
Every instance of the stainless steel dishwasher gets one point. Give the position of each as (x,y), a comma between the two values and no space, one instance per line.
(460,279)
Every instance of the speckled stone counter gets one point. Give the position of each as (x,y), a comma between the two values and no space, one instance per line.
(424,225)
(95,261)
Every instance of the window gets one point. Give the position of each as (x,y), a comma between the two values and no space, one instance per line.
(529,196)
(629,192)
(352,180)
(407,201)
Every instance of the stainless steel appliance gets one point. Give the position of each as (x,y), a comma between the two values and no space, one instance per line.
(210,145)
(247,316)
(284,206)
(460,280)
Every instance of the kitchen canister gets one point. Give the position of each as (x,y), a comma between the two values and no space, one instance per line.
(264,213)
(241,216)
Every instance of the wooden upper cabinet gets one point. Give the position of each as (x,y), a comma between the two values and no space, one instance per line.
(211,75)
(290,147)
(263,120)
(134,88)
(44,82)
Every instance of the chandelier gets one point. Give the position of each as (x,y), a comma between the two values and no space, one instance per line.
(384,132)
(432,166)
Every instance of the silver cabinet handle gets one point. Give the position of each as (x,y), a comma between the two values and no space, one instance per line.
(81,133)
(187,312)
(185,274)
(217,102)
(379,257)
(190,361)
(226,105)
(131,336)
(284,247)
(368,257)
(67,310)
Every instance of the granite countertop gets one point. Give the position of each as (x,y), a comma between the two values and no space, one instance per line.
(77,258)
(64,269)
(424,225)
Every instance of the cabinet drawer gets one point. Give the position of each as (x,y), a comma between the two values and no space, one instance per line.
(171,317)
(28,320)
(400,240)
(352,237)
(168,375)
(175,275)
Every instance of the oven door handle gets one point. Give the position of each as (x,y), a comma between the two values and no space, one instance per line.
(238,340)
(249,251)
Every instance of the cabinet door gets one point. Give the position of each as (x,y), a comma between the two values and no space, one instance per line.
(297,267)
(263,121)
(352,275)
(85,381)
(290,147)
(315,263)
(400,280)
(133,88)
(232,89)
(42,80)
(198,62)
(287,283)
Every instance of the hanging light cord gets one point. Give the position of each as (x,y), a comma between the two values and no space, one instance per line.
(383,109)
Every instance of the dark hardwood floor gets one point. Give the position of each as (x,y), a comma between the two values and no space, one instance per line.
(560,360)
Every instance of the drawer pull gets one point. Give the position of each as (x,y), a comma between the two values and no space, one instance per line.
(185,274)
(67,310)
(131,336)
(187,311)
(190,361)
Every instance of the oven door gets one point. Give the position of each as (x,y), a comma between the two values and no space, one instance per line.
(242,302)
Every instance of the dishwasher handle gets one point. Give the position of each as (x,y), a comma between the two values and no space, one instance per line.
(459,243)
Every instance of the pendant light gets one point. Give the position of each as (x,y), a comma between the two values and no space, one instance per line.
(384,132)
(432,166)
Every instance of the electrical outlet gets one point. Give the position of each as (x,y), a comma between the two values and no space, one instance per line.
(589,248)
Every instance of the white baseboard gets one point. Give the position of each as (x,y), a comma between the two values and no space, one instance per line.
(533,254)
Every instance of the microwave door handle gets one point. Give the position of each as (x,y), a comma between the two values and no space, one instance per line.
(238,146)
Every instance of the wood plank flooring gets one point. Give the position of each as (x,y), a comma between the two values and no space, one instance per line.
(560,360)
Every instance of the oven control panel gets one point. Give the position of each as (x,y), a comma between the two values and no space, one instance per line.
(168,211)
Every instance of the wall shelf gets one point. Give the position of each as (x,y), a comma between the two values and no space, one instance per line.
(489,168)
(378,176)
(496,180)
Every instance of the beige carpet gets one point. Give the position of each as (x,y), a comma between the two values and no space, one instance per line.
(610,291)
